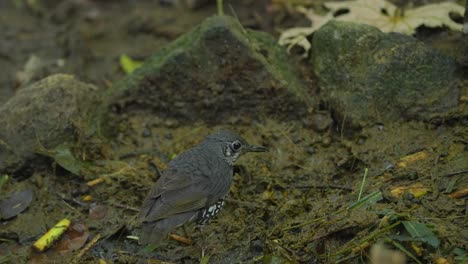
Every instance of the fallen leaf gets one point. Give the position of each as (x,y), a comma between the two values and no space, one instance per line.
(441,260)
(379,13)
(421,232)
(87,198)
(15,204)
(128,64)
(368,200)
(413,158)
(3,179)
(417,190)
(64,157)
(52,235)
(298,36)
(74,238)
(380,254)
(97,211)
(389,18)
(459,194)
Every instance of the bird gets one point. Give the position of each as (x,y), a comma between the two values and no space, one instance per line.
(193,187)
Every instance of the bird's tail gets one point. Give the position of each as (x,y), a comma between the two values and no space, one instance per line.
(154,232)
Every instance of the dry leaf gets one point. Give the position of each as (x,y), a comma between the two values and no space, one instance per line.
(394,19)
(412,159)
(15,204)
(379,13)
(298,36)
(74,238)
(416,189)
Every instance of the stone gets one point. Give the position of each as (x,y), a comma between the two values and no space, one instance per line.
(217,71)
(44,114)
(369,77)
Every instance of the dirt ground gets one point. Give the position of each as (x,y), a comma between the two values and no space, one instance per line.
(297,203)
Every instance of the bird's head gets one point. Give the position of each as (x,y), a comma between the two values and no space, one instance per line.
(232,145)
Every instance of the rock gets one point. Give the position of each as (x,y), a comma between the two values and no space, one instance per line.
(319,121)
(368,76)
(216,71)
(45,114)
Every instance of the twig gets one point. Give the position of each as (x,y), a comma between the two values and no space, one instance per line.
(95,182)
(85,249)
(318,186)
(455,173)
(118,205)
(313,220)
(459,194)
(181,239)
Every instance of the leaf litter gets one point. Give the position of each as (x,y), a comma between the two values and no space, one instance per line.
(379,13)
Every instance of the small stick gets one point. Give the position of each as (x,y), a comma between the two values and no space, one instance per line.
(85,249)
(344,188)
(181,239)
(95,182)
(118,205)
(455,173)
(459,194)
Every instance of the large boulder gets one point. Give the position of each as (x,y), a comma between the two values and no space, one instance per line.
(43,115)
(368,76)
(217,73)
(214,73)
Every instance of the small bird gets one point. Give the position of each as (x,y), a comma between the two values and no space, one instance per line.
(194,185)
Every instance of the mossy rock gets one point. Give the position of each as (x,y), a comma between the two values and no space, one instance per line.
(371,77)
(217,72)
(43,115)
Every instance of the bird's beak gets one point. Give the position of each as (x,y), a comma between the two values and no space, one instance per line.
(256,148)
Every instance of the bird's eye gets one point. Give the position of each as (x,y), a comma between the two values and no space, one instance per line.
(236,145)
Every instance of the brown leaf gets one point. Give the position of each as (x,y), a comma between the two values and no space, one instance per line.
(74,238)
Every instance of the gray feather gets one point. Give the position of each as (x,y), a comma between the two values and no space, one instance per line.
(194,181)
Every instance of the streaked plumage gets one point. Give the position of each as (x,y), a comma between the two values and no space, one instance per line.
(193,187)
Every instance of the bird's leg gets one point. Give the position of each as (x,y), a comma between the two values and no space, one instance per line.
(202,244)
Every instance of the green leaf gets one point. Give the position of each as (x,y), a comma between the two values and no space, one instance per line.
(451,184)
(421,232)
(128,64)
(368,200)
(3,179)
(404,250)
(6,258)
(461,255)
(205,259)
(64,157)
(149,248)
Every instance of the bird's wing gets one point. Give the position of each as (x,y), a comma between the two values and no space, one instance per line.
(180,190)
(173,202)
